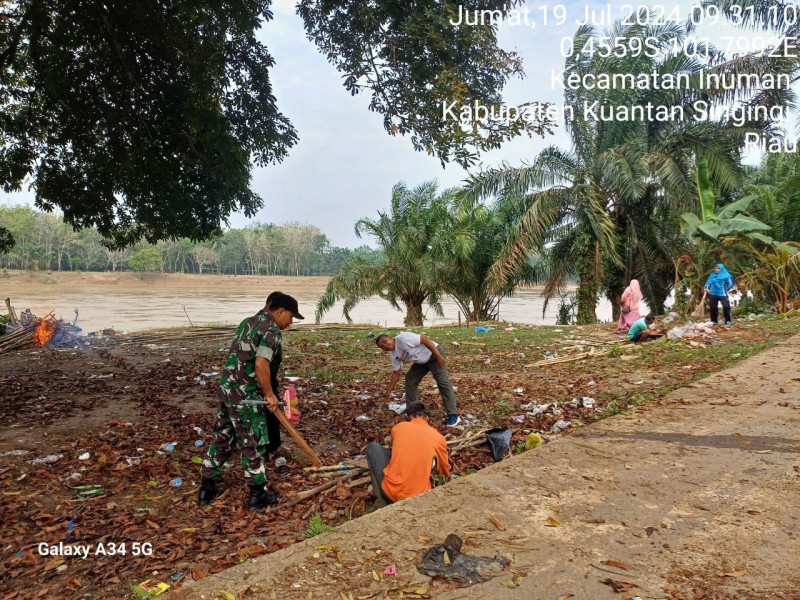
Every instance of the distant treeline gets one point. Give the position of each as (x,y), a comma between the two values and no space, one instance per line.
(45,242)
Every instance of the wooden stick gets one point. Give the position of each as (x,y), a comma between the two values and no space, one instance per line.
(298,439)
(559,361)
(359,482)
(324,468)
(11,312)
(187,315)
(325,486)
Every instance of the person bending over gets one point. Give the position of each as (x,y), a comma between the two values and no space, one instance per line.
(426,356)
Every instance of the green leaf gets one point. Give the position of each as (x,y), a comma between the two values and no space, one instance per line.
(711,230)
(689,224)
(704,189)
(731,210)
(741,224)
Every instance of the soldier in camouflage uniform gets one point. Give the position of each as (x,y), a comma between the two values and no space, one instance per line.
(246,376)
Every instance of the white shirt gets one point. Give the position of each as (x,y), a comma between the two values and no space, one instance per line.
(408,348)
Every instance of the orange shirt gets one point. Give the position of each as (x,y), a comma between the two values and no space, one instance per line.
(414,444)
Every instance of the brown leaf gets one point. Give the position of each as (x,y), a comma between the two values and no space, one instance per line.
(54,564)
(342,491)
(496,522)
(649,531)
(621,585)
(152,524)
(551,522)
(735,574)
(565,596)
(618,564)
(198,574)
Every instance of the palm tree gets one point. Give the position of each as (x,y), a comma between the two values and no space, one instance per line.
(476,234)
(607,209)
(411,237)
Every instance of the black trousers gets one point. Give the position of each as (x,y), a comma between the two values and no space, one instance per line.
(726,308)
(273,425)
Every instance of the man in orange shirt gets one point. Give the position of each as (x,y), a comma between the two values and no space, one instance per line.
(418,452)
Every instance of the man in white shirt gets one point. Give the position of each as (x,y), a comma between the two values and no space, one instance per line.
(426,356)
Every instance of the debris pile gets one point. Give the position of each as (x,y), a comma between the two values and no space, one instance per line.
(29,331)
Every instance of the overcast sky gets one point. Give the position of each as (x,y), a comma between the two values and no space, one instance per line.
(345,164)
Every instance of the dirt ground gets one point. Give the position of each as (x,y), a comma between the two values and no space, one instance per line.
(121,400)
(693,496)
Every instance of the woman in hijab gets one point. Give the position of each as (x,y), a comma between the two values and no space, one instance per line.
(719,283)
(629,306)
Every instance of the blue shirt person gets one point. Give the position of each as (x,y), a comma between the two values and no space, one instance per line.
(719,283)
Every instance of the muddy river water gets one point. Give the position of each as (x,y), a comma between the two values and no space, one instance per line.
(127,302)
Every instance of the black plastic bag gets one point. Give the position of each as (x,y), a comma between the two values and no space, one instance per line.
(499,440)
(463,568)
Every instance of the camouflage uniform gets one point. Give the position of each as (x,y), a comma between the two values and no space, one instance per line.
(237,422)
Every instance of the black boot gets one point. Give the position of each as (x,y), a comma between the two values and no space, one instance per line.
(261,498)
(208,492)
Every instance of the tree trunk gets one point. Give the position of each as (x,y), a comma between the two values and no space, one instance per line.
(615,299)
(586,295)
(413,314)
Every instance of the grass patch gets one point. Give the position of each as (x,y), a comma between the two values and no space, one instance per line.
(317,527)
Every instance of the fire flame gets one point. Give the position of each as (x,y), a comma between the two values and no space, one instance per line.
(43,333)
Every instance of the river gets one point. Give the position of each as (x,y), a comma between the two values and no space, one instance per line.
(126,302)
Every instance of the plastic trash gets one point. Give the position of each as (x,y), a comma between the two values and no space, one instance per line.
(390,570)
(397,407)
(534,440)
(587,402)
(446,561)
(209,374)
(169,447)
(177,482)
(560,426)
(198,443)
(519,418)
(84,456)
(499,440)
(153,589)
(198,430)
(290,404)
(46,460)
(362,418)
(15,453)
(519,391)
(280,461)
(592,383)
(676,333)
(481,330)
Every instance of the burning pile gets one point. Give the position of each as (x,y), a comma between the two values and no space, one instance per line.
(29,331)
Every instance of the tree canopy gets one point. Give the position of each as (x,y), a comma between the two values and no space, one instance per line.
(144,119)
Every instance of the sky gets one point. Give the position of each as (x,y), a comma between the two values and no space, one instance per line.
(345,164)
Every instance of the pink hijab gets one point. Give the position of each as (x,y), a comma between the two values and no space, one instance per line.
(633,294)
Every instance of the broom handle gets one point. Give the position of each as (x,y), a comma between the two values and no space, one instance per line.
(298,439)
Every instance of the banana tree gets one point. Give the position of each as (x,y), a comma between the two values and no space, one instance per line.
(731,219)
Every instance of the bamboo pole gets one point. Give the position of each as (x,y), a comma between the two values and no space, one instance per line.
(325,486)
